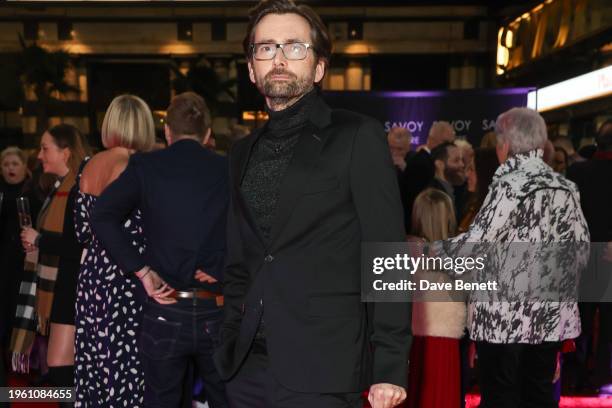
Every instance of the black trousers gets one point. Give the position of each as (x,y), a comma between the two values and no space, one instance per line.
(464,348)
(517,375)
(173,338)
(255,387)
(603,353)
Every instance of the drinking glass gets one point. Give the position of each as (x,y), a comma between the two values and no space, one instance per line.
(23,211)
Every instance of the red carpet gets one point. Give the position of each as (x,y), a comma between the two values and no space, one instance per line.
(566,402)
(472,399)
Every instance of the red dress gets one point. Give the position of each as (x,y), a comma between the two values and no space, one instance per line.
(434,378)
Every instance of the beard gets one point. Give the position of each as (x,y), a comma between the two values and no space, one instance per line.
(455,177)
(284,90)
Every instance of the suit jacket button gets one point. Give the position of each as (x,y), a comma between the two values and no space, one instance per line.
(269,258)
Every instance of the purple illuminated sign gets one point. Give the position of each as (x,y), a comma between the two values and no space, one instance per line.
(471,112)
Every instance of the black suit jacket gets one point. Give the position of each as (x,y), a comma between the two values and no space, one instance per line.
(183,194)
(418,174)
(339,191)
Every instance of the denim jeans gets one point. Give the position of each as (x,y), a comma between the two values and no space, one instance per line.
(173,337)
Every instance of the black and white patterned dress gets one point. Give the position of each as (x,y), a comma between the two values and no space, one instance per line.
(108,371)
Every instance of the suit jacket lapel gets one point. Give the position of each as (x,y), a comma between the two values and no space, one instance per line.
(305,155)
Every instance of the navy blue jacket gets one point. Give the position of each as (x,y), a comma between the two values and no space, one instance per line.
(183,193)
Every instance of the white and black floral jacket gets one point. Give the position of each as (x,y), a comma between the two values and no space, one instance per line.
(528,203)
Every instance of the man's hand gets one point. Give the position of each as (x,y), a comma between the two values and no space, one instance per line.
(203,277)
(386,395)
(557,375)
(155,287)
(472,355)
(399,162)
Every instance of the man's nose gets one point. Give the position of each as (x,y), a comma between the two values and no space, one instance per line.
(279,58)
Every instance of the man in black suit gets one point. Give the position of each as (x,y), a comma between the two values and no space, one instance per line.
(182,192)
(449,173)
(593,180)
(399,140)
(306,191)
(420,169)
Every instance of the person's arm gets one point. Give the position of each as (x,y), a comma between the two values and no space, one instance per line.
(376,197)
(493,213)
(64,244)
(236,278)
(235,275)
(113,206)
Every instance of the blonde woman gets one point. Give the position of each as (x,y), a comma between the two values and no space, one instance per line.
(108,371)
(437,325)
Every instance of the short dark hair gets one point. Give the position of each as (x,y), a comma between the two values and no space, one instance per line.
(321,41)
(188,115)
(440,152)
(604,136)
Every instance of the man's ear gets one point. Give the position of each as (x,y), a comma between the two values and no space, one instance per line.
(439,166)
(320,70)
(503,151)
(168,135)
(207,136)
(251,72)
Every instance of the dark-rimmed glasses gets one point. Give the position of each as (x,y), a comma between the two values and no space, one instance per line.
(292,51)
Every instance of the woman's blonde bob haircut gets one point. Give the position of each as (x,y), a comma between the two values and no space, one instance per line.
(128,123)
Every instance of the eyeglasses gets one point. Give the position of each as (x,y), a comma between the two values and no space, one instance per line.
(292,51)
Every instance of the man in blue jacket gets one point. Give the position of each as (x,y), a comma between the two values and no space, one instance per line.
(183,194)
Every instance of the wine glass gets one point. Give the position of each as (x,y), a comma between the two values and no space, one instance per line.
(23,211)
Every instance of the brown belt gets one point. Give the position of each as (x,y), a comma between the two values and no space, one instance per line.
(197,294)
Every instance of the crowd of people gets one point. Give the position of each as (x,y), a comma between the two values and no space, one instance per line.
(506,194)
(130,272)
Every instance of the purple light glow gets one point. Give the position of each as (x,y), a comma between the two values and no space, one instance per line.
(439,93)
